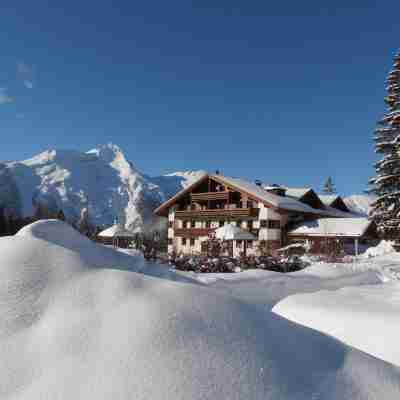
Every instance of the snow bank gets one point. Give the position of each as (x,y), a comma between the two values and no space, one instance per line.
(384,247)
(367,318)
(71,328)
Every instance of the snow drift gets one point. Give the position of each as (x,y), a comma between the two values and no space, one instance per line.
(78,321)
(369,316)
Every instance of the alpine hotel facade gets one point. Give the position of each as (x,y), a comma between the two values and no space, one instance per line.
(269,213)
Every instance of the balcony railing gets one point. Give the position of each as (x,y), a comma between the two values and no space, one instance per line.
(192,232)
(218,213)
(210,196)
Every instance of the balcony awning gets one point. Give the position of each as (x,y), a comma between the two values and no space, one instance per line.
(231,232)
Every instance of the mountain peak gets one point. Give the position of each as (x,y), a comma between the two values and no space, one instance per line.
(107,152)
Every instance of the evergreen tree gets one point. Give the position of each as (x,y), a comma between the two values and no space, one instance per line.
(386,184)
(329,187)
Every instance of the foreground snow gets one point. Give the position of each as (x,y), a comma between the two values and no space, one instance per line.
(82,321)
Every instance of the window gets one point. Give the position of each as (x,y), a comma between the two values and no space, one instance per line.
(249,204)
(208,224)
(192,242)
(193,224)
(170,224)
(170,241)
(239,244)
(249,225)
(183,241)
(221,223)
(249,244)
(240,204)
(185,224)
(263,223)
(274,224)
(239,223)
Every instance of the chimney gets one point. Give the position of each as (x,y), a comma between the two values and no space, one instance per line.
(258,182)
(217,172)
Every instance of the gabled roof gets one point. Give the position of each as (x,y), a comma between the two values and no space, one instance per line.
(334,201)
(164,206)
(260,194)
(257,193)
(328,199)
(298,193)
(350,227)
(116,231)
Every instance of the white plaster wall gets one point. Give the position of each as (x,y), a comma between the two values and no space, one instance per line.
(188,249)
(263,234)
(273,234)
(171,214)
(170,233)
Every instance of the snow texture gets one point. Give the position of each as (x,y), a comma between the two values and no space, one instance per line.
(114,231)
(354,227)
(363,312)
(82,321)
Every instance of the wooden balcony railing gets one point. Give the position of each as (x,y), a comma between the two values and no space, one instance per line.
(192,232)
(219,213)
(210,196)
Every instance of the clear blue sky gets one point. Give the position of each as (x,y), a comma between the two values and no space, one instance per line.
(285,91)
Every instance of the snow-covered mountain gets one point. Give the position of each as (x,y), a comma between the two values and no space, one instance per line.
(360,203)
(172,183)
(101,180)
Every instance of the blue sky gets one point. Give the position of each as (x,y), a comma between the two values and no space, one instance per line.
(287,92)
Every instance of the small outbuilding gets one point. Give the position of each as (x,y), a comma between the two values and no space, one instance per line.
(116,236)
(323,234)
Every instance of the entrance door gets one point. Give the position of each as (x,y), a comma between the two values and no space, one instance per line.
(230,248)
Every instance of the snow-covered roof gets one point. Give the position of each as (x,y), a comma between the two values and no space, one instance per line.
(284,202)
(259,193)
(354,227)
(231,232)
(298,193)
(328,199)
(116,230)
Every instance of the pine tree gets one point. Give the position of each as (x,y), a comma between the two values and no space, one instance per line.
(386,184)
(329,187)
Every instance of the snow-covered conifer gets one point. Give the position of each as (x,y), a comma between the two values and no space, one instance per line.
(386,184)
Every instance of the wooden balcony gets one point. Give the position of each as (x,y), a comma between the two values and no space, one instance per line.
(210,196)
(192,232)
(219,213)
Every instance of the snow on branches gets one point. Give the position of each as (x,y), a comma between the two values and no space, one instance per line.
(386,184)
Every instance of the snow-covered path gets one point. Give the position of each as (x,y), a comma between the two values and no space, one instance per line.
(80,321)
